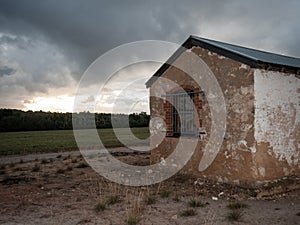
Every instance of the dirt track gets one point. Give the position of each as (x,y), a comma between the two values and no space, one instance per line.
(31,157)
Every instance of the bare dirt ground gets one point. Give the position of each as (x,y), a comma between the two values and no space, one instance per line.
(65,190)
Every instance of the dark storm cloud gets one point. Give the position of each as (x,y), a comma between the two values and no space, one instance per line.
(36,65)
(54,36)
(85,29)
(5,70)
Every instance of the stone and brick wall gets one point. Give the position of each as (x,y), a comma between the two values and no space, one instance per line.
(237,160)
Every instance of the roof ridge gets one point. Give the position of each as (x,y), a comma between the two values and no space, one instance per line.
(240,46)
(253,57)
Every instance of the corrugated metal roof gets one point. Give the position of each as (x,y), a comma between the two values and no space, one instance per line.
(254,58)
(254,54)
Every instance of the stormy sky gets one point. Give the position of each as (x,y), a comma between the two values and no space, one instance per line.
(45,46)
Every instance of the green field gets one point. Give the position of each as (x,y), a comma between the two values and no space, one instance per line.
(12,143)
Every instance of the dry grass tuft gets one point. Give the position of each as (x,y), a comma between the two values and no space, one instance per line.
(165,193)
(150,199)
(113,199)
(134,210)
(237,205)
(114,196)
(193,202)
(188,212)
(234,215)
(100,206)
(82,165)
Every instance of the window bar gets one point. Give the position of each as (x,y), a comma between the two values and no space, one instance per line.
(172,113)
(177,110)
(183,112)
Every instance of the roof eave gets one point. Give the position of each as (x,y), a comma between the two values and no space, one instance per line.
(173,57)
(234,55)
(191,42)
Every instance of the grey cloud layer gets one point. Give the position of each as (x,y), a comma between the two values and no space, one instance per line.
(49,39)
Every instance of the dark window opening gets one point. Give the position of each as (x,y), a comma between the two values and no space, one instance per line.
(182,116)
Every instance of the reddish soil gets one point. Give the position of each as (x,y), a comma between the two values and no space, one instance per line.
(64,191)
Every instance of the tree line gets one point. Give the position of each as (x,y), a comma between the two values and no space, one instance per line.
(18,120)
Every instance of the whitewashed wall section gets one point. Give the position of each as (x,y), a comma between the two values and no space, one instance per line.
(277,113)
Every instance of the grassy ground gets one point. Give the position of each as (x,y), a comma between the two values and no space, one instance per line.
(62,140)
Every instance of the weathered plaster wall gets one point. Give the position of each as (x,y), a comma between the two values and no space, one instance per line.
(263,121)
(234,161)
(277,123)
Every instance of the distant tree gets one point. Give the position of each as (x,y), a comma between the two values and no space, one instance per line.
(18,120)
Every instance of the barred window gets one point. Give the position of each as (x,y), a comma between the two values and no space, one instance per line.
(180,113)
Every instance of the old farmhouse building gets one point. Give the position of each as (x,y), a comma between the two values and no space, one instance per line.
(261,93)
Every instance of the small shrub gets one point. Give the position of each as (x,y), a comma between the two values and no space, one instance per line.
(188,212)
(236,205)
(12,165)
(2,171)
(132,219)
(235,215)
(99,207)
(2,167)
(195,203)
(82,165)
(165,193)
(35,168)
(113,200)
(150,199)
